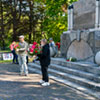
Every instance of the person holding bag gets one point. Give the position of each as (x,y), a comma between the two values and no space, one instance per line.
(53,48)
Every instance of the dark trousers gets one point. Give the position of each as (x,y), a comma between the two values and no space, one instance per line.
(15,57)
(27,59)
(44,70)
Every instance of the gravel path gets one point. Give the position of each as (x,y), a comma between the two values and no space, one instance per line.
(15,87)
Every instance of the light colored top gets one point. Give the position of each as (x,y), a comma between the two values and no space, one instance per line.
(52,44)
(23,48)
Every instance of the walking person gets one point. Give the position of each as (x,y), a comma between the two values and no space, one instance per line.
(15,56)
(52,43)
(22,54)
(53,49)
(44,58)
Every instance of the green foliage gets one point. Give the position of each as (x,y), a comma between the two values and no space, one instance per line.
(55,21)
(35,19)
(5,61)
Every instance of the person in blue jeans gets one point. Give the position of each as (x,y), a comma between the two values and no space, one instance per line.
(22,55)
(15,56)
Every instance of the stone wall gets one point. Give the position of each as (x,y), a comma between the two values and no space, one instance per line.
(84,14)
(65,42)
(82,40)
(81,45)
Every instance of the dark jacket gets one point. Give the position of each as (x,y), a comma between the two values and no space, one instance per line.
(44,57)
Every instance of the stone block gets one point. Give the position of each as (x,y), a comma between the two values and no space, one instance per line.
(97,43)
(65,42)
(84,14)
(80,50)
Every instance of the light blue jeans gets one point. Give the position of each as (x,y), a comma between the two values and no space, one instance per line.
(22,63)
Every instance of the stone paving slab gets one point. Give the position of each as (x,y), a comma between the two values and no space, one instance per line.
(15,87)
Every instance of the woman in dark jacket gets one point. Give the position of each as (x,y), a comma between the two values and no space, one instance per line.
(44,58)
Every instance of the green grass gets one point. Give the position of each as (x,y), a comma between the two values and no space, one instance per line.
(5,51)
(5,61)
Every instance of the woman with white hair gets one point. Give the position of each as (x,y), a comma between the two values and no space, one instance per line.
(44,58)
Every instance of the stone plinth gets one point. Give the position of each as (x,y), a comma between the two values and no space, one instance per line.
(81,45)
(82,40)
(81,50)
(84,14)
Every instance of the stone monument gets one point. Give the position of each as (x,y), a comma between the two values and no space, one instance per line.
(82,40)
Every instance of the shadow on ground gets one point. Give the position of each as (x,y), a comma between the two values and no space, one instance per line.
(15,87)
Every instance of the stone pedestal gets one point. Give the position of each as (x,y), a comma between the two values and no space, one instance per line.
(83,45)
(83,41)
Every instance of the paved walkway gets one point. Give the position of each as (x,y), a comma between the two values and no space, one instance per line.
(15,87)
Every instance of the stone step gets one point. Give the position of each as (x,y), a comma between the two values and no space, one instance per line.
(75,79)
(82,66)
(71,84)
(75,72)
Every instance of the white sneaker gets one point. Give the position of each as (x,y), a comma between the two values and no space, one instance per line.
(46,84)
(26,73)
(41,81)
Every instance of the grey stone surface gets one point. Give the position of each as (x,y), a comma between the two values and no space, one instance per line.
(76,72)
(84,14)
(81,66)
(15,87)
(84,49)
(78,78)
(74,75)
(80,50)
(84,20)
(65,42)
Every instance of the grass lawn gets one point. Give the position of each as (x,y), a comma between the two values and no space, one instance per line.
(10,61)
(5,51)
(5,61)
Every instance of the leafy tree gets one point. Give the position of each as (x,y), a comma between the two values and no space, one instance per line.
(35,19)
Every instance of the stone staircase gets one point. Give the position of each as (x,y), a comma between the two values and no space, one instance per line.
(79,75)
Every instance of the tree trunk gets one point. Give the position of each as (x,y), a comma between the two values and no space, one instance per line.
(14,19)
(2,27)
(30,21)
